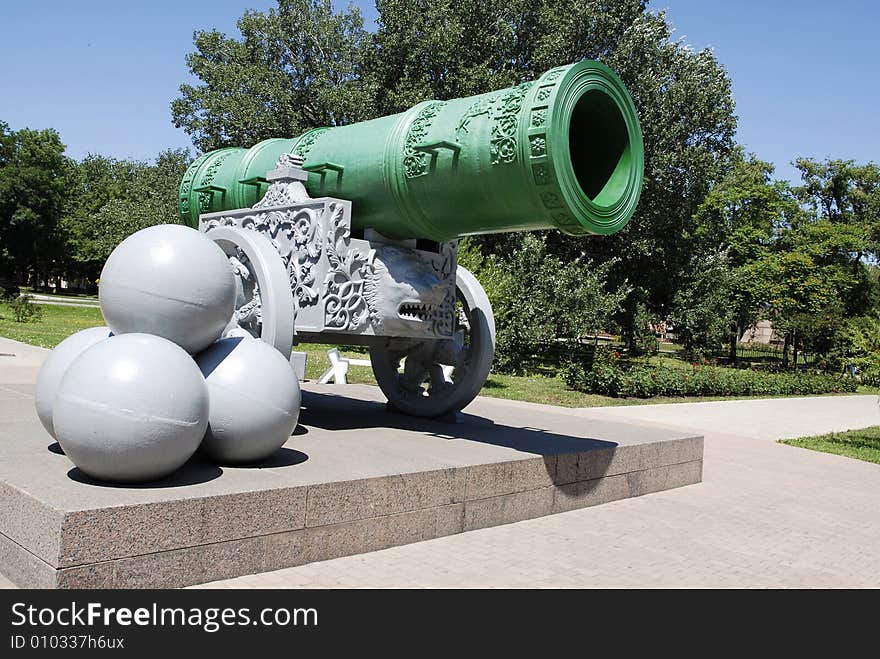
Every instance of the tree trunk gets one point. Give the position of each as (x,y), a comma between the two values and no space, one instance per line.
(794,344)
(734,340)
(785,349)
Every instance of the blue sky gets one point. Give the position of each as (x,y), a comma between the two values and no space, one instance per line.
(103,72)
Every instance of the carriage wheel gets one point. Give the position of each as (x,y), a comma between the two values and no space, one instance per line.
(434,378)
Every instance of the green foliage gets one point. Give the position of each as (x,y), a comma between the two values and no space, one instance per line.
(842,191)
(818,273)
(856,346)
(703,309)
(111,199)
(764,250)
(719,295)
(641,337)
(538,299)
(24,310)
(644,381)
(449,48)
(34,176)
(298,66)
(604,373)
(59,217)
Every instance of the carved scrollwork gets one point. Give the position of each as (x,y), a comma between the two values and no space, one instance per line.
(444,264)
(345,307)
(305,145)
(249,307)
(502,111)
(415,163)
(289,160)
(283,193)
(475,110)
(296,235)
(553,74)
(305,234)
(186,186)
(503,144)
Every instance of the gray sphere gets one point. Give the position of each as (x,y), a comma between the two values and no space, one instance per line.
(131,408)
(55,366)
(171,281)
(255,400)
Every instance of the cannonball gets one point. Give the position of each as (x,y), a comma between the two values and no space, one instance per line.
(55,366)
(171,281)
(131,408)
(255,400)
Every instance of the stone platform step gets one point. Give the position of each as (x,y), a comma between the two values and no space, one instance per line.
(354,478)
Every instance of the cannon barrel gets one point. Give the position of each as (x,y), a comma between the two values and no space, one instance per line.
(562,151)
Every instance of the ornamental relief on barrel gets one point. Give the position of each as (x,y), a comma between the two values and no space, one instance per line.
(186,185)
(415,163)
(502,111)
(305,145)
(205,197)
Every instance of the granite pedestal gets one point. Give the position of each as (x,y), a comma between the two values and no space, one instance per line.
(353,478)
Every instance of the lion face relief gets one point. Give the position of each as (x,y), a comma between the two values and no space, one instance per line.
(405,293)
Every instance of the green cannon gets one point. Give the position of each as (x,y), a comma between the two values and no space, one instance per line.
(365,219)
(563,151)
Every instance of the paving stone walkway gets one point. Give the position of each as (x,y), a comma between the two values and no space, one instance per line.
(766,515)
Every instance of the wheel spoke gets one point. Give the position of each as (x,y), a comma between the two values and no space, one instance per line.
(452,353)
(438,380)
(413,374)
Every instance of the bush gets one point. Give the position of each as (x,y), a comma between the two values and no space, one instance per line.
(24,310)
(8,290)
(643,381)
(538,299)
(857,349)
(641,338)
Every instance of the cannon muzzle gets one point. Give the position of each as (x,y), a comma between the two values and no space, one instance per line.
(564,151)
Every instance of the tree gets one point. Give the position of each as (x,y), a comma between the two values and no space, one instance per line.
(765,250)
(841,191)
(703,313)
(34,179)
(537,299)
(857,346)
(443,48)
(845,197)
(114,198)
(735,227)
(296,67)
(448,48)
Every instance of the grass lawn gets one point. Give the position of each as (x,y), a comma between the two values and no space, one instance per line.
(59,322)
(859,444)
